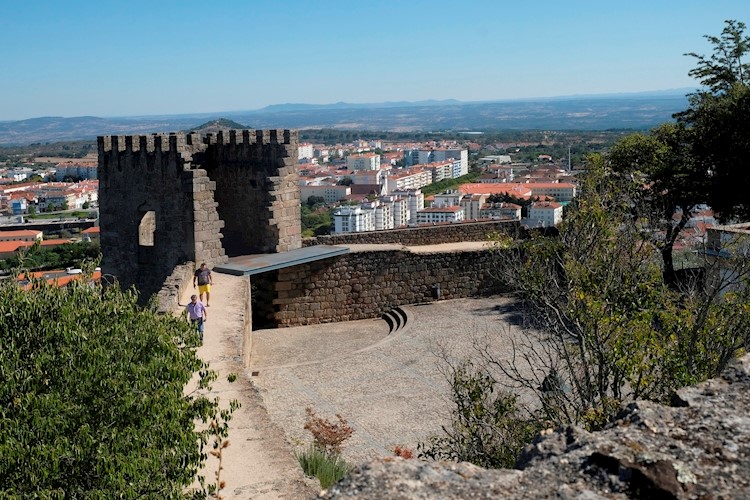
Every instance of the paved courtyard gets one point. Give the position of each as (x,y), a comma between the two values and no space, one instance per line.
(388,386)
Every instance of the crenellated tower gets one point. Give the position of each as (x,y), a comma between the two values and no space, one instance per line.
(171,198)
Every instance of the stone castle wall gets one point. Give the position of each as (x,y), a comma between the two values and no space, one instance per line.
(165,199)
(367,284)
(425,235)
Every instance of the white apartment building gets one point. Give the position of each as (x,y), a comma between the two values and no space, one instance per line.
(415,202)
(399,209)
(436,215)
(450,198)
(379,176)
(331,193)
(305,150)
(472,205)
(421,156)
(365,161)
(79,170)
(545,214)
(384,216)
(440,170)
(412,178)
(353,220)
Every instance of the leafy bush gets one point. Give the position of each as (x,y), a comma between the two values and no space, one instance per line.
(92,398)
(486,426)
(327,467)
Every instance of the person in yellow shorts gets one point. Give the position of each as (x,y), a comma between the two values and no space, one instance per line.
(204,280)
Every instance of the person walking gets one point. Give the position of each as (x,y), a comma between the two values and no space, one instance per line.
(204,279)
(197,314)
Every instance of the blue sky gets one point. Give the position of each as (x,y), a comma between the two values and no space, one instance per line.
(125,58)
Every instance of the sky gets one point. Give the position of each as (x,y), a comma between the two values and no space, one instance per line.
(133,58)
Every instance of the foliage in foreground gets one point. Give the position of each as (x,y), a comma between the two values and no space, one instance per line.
(322,458)
(486,428)
(329,468)
(92,401)
(607,325)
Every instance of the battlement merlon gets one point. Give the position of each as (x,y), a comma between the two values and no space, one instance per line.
(192,142)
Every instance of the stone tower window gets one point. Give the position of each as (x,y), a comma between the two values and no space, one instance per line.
(146,229)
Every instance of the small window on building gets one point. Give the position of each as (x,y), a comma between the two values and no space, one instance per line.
(146,229)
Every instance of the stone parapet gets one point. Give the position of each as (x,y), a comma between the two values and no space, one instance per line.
(421,235)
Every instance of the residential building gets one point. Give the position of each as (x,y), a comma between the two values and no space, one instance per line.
(399,209)
(21,235)
(330,193)
(353,220)
(441,170)
(411,178)
(415,202)
(383,216)
(545,214)
(436,215)
(451,198)
(560,191)
(500,211)
(423,156)
(364,161)
(379,176)
(76,170)
(472,205)
(305,151)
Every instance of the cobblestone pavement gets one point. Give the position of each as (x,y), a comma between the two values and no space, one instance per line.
(389,387)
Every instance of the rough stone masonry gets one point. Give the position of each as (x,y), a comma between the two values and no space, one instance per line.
(699,447)
(170,199)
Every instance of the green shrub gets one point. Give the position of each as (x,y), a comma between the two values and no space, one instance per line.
(92,401)
(486,428)
(329,468)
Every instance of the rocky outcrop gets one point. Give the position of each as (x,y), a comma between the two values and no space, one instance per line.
(697,448)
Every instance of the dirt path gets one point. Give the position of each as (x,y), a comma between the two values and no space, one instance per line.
(259,463)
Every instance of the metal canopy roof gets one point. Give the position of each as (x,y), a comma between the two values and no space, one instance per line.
(247,265)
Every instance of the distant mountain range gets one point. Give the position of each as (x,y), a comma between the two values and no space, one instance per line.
(590,112)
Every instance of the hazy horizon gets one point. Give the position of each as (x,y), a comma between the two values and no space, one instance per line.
(113,59)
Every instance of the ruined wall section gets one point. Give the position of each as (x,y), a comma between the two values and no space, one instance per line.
(256,188)
(155,211)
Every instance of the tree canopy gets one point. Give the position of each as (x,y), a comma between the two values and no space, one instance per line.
(718,118)
(725,67)
(92,402)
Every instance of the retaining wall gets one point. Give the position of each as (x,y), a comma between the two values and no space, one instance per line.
(367,284)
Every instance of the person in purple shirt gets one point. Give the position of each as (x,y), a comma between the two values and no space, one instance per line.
(197,314)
